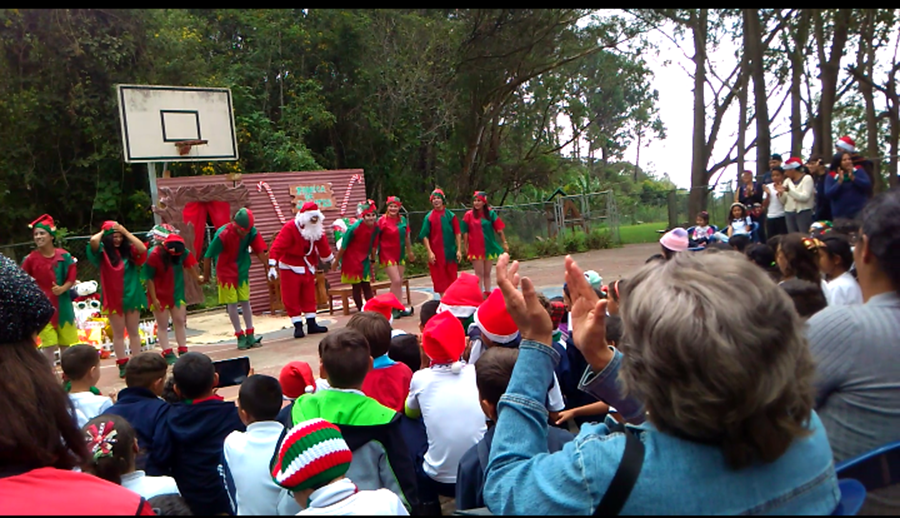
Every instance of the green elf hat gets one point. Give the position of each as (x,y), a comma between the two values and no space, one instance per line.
(312,454)
(159,233)
(393,199)
(108,227)
(44,222)
(438,193)
(244,219)
(366,207)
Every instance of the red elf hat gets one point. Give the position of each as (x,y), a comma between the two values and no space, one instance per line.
(444,339)
(174,244)
(45,222)
(108,227)
(383,304)
(296,379)
(494,320)
(393,199)
(463,296)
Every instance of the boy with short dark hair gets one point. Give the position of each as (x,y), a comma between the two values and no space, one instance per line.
(140,404)
(246,455)
(407,350)
(426,312)
(81,367)
(372,430)
(198,427)
(493,371)
(388,381)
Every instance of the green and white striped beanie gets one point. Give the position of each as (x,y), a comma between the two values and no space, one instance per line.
(312,454)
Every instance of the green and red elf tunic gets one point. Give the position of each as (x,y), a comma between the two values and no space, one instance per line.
(228,249)
(441,228)
(165,266)
(47,271)
(356,244)
(482,231)
(121,290)
(390,237)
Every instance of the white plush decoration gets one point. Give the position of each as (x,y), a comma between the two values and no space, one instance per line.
(83,289)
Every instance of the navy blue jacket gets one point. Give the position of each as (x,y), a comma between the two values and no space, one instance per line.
(198,434)
(473,464)
(848,198)
(147,415)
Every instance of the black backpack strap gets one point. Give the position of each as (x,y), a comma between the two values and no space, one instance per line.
(626,475)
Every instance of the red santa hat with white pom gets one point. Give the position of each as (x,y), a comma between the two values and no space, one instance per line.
(444,340)
(494,320)
(307,212)
(793,163)
(383,304)
(463,296)
(847,144)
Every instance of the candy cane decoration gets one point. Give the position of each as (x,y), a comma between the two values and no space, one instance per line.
(353,180)
(259,188)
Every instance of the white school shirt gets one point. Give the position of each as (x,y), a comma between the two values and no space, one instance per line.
(148,487)
(343,498)
(740,226)
(776,208)
(454,421)
(248,455)
(843,290)
(88,406)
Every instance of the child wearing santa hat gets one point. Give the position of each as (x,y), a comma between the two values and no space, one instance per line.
(229,247)
(54,271)
(387,305)
(388,381)
(462,298)
(446,396)
(312,463)
(495,327)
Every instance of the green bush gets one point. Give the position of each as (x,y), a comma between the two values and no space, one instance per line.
(599,239)
(574,242)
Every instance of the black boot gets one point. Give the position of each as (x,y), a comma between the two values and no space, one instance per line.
(298,330)
(313,328)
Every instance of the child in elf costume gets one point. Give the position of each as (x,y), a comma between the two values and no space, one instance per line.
(441,235)
(229,247)
(164,274)
(356,253)
(394,248)
(119,255)
(479,228)
(295,254)
(54,270)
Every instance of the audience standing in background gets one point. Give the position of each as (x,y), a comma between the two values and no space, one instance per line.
(797,193)
(776,224)
(847,186)
(749,194)
(858,393)
(817,168)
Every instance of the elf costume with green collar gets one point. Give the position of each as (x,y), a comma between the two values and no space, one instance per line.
(356,244)
(481,230)
(390,237)
(121,290)
(441,228)
(58,269)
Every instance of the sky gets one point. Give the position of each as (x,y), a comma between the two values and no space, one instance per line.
(672,155)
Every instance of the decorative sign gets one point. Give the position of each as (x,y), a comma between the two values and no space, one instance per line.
(321,194)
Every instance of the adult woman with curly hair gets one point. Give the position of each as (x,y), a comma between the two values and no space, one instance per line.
(715,358)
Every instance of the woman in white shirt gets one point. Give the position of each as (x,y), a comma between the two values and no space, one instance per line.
(835,258)
(797,193)
(775,220)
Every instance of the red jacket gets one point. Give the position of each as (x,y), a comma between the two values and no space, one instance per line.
(51,491)
(294,252)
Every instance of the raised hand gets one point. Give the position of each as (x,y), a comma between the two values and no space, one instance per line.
(524,307)
(588,318)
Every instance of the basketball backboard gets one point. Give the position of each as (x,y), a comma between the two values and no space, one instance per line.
(155,118)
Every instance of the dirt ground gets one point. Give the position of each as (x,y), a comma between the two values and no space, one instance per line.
(211,333)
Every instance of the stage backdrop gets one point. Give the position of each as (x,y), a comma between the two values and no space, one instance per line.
(332,190)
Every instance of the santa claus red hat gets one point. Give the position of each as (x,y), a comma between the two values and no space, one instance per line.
(307,211)
(383,304)
(494,320)
(444,340)
(296,379)
(793,163)
(463,296)
(847,144)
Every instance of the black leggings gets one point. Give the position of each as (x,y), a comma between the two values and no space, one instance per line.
(776,227)
(363,288)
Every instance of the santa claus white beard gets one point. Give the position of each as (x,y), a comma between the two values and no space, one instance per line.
(313,231)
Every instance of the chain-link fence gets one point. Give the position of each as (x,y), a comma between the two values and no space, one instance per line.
(673,209)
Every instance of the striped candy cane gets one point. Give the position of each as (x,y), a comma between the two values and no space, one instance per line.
(353,180)
(259,188)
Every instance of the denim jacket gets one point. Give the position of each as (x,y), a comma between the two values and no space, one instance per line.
(678,476)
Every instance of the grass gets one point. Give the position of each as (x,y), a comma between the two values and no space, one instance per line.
(643,233)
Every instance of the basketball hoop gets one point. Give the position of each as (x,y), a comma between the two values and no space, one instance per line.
(184,146)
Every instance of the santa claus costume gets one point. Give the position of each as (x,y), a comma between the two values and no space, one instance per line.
(296,252)
(229,247)
(119,256)
(164,275)
(441,235)
(394,248)
(53,269)
(355,253)
(480,227)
